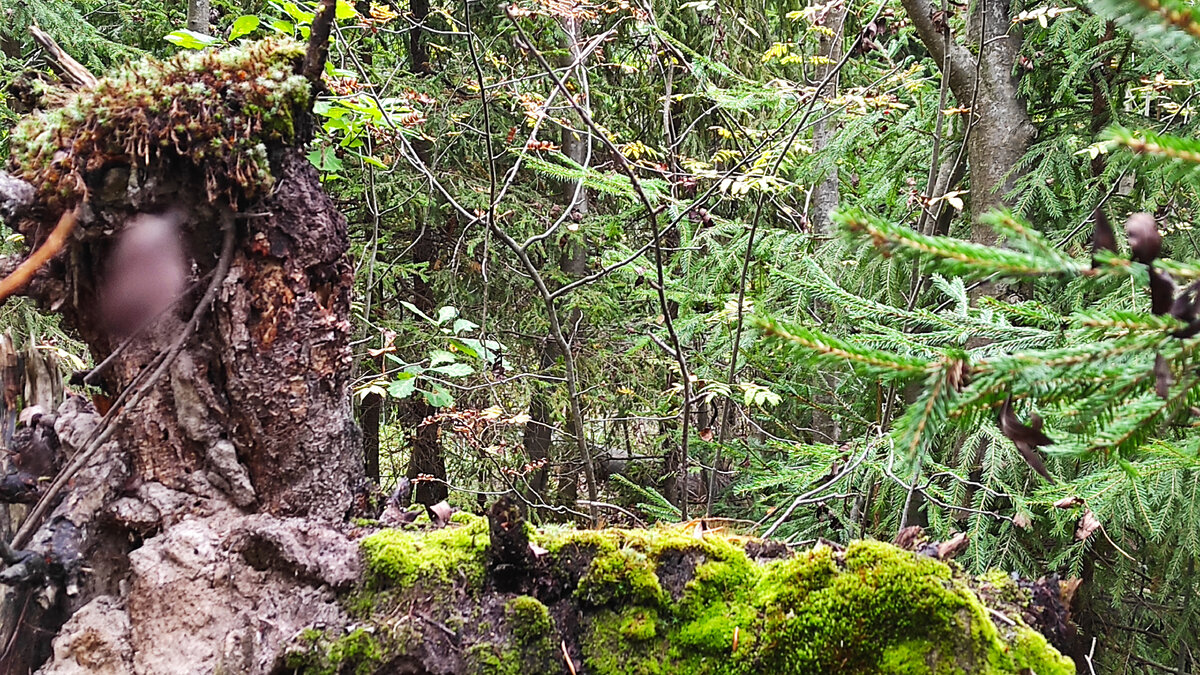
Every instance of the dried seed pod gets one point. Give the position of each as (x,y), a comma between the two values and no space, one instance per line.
(1162,292)
(1103,237)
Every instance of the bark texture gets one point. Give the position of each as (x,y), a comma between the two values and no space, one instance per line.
(825,193)
(203,534)
(1000,130)
(427,458)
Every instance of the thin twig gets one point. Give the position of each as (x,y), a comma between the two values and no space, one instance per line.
(652,219)
(318,43)
(739,326)
(800,499)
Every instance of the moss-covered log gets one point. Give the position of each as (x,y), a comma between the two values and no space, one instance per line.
(669,600)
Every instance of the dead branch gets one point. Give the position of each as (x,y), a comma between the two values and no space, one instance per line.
(72,72)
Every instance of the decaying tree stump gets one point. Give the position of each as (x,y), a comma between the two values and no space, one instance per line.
(168,546)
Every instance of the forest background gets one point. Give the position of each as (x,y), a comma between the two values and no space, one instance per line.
(595,267)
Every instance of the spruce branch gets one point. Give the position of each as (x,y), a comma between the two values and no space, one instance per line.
(822,347)
(955,256)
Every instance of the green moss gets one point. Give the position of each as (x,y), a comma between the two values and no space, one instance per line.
(401,558)
(358,652)
(625,575)
(487,658)
(622,641)
(529,618)
(870,609)
(639,624)
(216,110)
(998,586)
(1030,651)
(909,658)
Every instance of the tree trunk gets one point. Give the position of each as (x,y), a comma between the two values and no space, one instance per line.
(199,535)
(572,261)
(198,15)
(1000,129)
(825,192)
(427,460)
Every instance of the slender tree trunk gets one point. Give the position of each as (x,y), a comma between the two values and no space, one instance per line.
(198,14)
(1000,129)
(370,417)
(572,262)
(427,459)
(825,192)
(539,430)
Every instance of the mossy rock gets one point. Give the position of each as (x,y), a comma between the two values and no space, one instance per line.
(625,602)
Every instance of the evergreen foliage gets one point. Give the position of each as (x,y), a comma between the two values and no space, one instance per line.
(872,367)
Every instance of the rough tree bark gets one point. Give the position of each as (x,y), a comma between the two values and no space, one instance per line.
(199,537)
(825,192)
(198,12)
(1000,129)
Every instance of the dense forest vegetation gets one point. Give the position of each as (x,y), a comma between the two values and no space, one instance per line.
(809,272)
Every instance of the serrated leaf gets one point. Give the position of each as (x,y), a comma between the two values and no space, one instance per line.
(445,314)
(244,25)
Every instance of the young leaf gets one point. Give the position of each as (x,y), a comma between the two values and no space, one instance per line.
(464,326)
(344,11)
(439,356)
(244,25)
(438,398)
(413,308)
(402,388)
(454,370)
(190,39)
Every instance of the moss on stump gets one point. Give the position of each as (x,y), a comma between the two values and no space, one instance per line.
(643,602)
(216,110)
